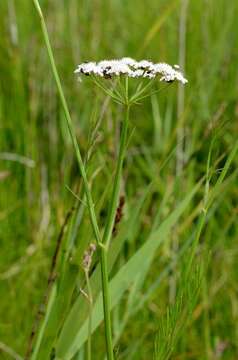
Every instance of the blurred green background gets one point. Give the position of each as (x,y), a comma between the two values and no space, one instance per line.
(37,160)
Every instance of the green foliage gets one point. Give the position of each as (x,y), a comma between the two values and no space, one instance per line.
(139,263)
(173,324)
(173,259)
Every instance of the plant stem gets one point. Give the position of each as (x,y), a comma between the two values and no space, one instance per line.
(117,181)
(90,204)
(69,124)
(90,299)
(108,232)
(106,302)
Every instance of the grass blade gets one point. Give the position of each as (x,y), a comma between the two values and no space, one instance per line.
(66,348)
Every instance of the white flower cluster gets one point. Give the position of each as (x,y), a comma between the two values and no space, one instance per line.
(132,68)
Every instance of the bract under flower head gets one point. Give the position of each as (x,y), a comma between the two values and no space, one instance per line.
(132,68)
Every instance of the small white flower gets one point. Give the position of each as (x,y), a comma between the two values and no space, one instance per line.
(144,64)
(132,68)
(128,61)
(136,73)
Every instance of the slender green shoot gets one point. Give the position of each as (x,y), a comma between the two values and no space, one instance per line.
(90,204)
(117,181)
(90,302)
(69,123)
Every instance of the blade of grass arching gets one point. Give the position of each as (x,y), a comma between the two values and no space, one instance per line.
(78,313)
(67,346)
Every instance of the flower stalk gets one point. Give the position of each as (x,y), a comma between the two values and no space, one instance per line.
(87,262)
(69,123)
(117,181)
(90,301)
(108,234)
(90,204)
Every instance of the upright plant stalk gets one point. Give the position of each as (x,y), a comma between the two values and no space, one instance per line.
(107,235)
(117,181)
(69,123)
(90,204)
(90,300)
(106,302)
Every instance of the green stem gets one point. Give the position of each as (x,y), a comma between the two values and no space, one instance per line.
(90,204)
(117,181)
(108,232)
(69,123)
(106,303)
(90,299)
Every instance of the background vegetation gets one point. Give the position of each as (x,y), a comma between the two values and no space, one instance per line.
(164,313)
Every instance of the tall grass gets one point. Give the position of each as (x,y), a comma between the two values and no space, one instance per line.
(43,200)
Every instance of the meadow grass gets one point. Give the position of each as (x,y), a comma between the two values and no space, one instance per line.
(172,260)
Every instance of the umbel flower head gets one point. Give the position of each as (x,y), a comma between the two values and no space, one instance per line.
(108,69)
(122,70)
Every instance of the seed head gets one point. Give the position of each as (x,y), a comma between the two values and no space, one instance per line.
(87,257)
